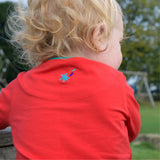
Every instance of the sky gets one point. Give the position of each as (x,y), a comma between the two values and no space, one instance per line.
(8,0)
(13,1)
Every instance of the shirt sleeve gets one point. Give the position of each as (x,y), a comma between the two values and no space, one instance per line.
(133,121)
(6,95)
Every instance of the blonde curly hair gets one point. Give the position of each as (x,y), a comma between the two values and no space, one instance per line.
(51,28)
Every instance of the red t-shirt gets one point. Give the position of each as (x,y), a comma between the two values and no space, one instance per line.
(72,108)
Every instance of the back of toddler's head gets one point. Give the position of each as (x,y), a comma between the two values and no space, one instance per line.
(51,28)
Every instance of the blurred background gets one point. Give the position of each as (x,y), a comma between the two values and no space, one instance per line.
(141,65)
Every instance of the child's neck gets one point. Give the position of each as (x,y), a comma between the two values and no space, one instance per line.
(103,57)
(86,53)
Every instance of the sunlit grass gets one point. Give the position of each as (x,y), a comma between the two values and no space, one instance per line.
(145,151)
(150,123)
(150,118)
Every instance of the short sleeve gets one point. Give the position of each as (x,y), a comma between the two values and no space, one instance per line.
(5,104)
(133,121)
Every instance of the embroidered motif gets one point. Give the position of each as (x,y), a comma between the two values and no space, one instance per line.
(65,77)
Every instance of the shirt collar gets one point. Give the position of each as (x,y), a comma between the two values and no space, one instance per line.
(60,58)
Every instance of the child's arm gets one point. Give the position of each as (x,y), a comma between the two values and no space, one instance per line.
(133,121)
(5,101)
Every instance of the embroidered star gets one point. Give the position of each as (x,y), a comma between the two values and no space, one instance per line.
(64,77)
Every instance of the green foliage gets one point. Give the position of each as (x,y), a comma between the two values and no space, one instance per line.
(9,68)
(142,24)
(5,9)
(5,45)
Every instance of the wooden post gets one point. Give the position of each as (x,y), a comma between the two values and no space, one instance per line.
(7,150)
(141,85)
(143,81)
(149,92)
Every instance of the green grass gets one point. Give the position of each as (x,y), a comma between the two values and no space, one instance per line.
(150,123)
(150,118)
(145,151)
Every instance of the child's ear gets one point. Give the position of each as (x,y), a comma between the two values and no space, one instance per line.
(99,39)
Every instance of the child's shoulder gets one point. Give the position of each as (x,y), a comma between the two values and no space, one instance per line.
(71,77)
(82,68)
(92,72)
(101,71)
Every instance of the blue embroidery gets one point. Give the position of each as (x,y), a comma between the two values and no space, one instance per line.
(65,77)
(60,58)
(71,74)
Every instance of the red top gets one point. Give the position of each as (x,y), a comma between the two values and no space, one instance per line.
(71,108)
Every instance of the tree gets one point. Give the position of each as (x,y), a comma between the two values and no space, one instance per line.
(142,50)
(9,68)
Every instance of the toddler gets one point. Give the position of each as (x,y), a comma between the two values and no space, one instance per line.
(73,104)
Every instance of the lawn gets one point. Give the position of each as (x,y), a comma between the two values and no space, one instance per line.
(145,151)
(150,123)
(150,118)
